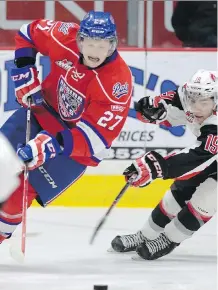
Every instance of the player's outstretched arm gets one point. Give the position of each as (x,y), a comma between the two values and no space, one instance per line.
(183,165)
(164,109)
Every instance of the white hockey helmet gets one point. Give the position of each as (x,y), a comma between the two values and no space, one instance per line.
(202,85)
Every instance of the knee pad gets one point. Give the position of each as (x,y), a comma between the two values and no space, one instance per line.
(169,206)
(203,203)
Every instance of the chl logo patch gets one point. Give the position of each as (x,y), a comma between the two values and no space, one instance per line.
(65,64)
(64,27)
(70,102)
(120,90)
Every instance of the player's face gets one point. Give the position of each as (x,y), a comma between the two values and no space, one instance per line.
(95,51)
(202,109)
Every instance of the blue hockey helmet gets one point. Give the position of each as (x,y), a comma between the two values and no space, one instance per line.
(99,25)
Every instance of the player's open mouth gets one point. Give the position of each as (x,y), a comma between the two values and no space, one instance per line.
(94,59)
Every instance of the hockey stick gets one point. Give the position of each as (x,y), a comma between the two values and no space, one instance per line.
(103,219)
(18,253)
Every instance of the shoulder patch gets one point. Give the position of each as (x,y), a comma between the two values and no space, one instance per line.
(119,90)
(65,26)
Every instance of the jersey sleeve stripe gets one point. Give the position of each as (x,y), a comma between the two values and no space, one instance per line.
(103,154)
(25,32)
(96,132)
(95,142)
(87,140)
(95,159)
(197,169)
(68,142)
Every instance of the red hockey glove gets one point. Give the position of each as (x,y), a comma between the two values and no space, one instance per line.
(38,150)
(147,168)
(27,85)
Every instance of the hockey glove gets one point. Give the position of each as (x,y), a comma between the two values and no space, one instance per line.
(147,168)
(38,150)
(27,85)
(151,109)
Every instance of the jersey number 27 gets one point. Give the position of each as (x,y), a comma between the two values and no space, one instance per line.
(108,116)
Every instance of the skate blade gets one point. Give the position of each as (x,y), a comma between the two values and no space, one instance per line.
(111,250)
(137,258)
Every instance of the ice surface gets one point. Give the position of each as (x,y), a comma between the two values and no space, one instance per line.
(59,256)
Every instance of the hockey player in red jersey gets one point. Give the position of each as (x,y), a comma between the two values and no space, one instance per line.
(77,111)
(192,199)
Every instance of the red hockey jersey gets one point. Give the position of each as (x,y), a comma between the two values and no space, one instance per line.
(89,106)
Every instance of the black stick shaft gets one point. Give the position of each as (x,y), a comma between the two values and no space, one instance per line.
(102,221)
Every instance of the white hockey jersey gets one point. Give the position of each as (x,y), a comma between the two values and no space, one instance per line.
(196,158)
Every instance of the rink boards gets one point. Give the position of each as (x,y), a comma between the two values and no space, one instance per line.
(101,190)
(154,72)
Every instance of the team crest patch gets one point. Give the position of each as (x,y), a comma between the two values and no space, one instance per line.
(70,102)
(120,90)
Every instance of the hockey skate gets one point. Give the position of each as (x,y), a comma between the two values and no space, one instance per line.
(154,249)
(127,243)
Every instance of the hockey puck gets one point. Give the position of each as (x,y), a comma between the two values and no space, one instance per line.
(100,287)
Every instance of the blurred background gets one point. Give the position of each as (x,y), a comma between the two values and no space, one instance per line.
(163,42)
(140,23)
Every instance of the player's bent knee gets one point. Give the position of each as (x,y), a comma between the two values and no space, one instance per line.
(203,203)
(169,205)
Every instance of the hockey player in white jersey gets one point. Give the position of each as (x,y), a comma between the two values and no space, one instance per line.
(10,167)
(192,199)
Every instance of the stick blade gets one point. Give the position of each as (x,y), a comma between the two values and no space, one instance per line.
(17,254)
(96,230)
(93,237)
